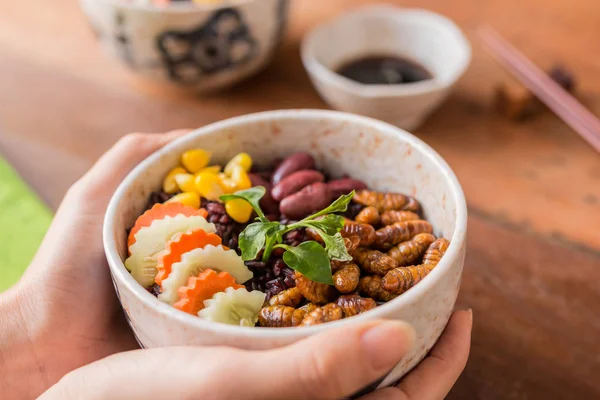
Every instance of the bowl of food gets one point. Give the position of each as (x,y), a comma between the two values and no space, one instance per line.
(260,230)
(200,45)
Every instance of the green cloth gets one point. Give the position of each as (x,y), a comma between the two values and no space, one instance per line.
(23,221)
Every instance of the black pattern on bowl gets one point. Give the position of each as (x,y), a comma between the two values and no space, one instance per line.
(222,42)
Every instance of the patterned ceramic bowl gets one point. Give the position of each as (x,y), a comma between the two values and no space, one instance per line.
(201,47)
(386,157)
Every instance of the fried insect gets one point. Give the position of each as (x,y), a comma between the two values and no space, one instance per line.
(390,217)
(346,278)
(309,307)
(336,265)
(365,232)
(435,251)
(289,297)
(353,304)
(318,293)
(373,261)
(412,205)
(411,251)
(370,286)
(368,215)
(351,243)
(313,235)
(400,279)
(391,235)
(329,312)
(386,201)
(280,316)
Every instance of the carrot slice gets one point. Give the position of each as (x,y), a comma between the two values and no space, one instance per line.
(179,245)
(203,287)
(159,211)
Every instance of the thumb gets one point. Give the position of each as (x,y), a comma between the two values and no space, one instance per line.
(333,364)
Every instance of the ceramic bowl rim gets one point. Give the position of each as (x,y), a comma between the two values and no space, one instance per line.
(316,68)
(177,8)
(452,255)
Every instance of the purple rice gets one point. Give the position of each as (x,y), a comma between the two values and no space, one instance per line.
(158,197)
(274,276)
(154,290)
(226,227)
(353,210)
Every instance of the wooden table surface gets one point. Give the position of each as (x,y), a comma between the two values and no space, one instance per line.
(532,274)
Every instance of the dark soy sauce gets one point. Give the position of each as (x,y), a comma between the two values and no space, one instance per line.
(384,70)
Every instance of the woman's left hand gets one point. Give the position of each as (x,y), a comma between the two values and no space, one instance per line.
(64,313)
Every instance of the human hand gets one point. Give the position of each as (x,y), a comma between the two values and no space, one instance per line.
(64,313)
(330,365)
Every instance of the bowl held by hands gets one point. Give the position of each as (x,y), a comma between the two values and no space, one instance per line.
(385,157)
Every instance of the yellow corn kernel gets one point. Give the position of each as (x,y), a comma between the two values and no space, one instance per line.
(195,160)
(241,178)
(187,198)
(209,186)
(185,182)
(228,185)
(243,160)
(213,169)
(169,183)
(239,209)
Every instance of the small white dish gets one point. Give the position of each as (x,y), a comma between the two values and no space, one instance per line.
(430,39)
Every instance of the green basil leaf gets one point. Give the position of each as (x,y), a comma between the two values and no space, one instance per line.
(330,224)
(252,196)
(339,205)
(253,238)
(271,241)
(336,248)
(310,259)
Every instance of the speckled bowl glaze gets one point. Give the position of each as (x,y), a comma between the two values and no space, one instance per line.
(386,157)
(200,47)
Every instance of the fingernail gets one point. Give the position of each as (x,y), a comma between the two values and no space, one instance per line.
(470,311)
(386,343)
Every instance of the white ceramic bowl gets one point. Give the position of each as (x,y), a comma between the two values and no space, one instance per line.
(201,47)
(423,36)
(386,157)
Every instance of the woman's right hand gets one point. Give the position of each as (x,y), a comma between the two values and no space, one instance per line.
(330,365)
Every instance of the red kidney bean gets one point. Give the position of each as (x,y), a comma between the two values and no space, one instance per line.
(294,182)
(339,187)
(311,198)
(267,203)
(276,163)
(258,179)
(295,162)
(278,252)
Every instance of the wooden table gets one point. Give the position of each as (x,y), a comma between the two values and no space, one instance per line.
(532,274)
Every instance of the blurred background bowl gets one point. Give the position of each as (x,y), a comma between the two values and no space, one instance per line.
(196,46)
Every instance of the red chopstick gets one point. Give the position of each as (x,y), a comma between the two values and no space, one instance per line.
(561,102)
